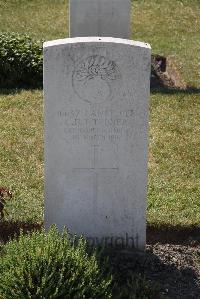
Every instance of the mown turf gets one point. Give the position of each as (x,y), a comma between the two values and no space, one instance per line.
(172,28)
(174,162)
(21,152)
(46,19)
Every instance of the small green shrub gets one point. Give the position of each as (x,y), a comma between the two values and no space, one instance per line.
(21,61)
(49,266)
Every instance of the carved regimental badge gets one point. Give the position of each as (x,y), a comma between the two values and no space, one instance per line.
(93,79)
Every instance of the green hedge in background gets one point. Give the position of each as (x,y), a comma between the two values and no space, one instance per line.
(21,61)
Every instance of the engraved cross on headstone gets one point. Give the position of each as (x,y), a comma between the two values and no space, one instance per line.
(94,168)
(109,18)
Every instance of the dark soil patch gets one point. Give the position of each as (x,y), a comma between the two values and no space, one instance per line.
(177,268)
(174,269)
(164,74)
(171,262)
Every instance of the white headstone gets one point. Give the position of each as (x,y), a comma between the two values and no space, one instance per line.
(100,18)
(96,138)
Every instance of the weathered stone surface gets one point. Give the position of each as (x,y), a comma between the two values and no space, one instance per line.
(100,18)
(96,137)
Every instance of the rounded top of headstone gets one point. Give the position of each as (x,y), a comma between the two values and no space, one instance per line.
(76,40)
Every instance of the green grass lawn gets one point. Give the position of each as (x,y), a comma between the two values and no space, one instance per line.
(171,27)
(21,152)
(46,19)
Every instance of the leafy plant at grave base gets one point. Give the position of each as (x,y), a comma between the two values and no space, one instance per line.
(21,61)
(5,194)
(49,266)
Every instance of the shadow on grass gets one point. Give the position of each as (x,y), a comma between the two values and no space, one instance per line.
(188,91)
(165,90)
(177,235)
(11,229)
(163,234)
(14,91)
